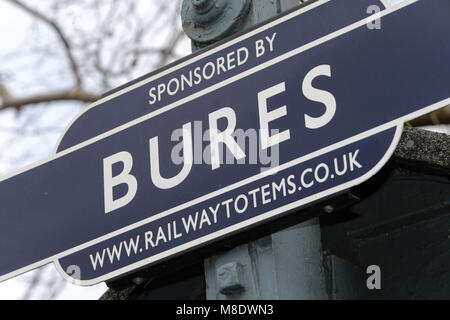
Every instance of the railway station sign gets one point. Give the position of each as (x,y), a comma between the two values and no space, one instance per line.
(258,126)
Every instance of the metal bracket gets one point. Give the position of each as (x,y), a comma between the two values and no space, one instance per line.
(206,21)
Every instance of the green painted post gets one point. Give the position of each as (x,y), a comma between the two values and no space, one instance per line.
(284,265)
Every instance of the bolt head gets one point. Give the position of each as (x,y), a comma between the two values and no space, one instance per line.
(212,20)
(230,278)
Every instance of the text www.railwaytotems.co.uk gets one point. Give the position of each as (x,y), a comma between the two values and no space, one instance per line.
(256,198)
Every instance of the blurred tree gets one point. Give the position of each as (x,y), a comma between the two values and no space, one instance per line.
(93,46)
(74,51)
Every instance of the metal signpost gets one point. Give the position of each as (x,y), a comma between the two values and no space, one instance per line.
(139,176)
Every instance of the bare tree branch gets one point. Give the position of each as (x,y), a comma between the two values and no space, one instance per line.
(17,103)
(60,34)
(33,284)
(5,95)
(120,41)
(125,39)
(167,52)
(441,116)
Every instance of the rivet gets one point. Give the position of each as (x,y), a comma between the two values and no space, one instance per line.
(410,144)
(328,208)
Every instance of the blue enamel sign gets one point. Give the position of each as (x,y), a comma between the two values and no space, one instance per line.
(290,113)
